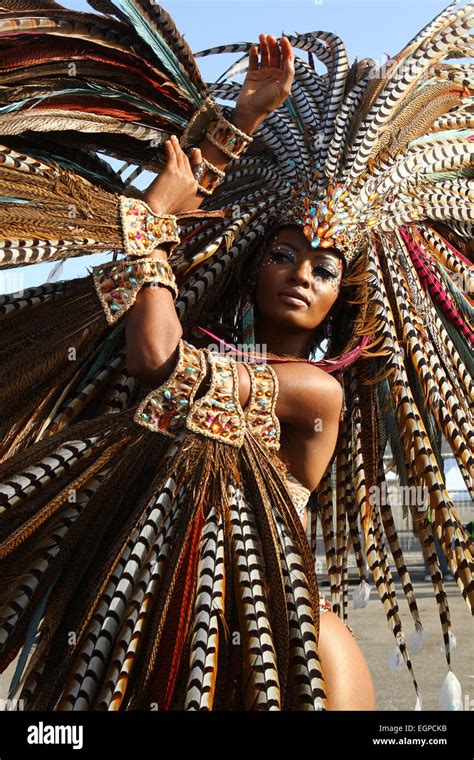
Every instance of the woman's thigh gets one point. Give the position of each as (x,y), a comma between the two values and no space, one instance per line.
(348,681)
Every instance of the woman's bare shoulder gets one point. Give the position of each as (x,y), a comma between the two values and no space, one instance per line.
(305,392)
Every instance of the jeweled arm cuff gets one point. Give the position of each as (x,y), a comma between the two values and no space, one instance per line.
(117,283)
(143,230)
(196,129)
(208,176)
(227,137)
(166,408)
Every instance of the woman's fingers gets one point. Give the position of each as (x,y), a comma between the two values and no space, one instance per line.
(176,154)
(286,50)
(185,160)
(264,51)
(274,50)
(196,156)
(180,156)
(271,53)
(288,62)
(253,58)
(170,152)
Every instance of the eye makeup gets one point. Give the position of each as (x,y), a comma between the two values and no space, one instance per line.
(281,252)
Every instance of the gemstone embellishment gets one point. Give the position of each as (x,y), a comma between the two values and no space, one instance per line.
(143,230)
(165,409)
(218,413)
(117,283)
(260,415)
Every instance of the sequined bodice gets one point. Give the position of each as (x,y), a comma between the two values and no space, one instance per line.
(218,414)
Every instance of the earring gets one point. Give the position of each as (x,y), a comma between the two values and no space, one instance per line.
(328,335)
(248,323)
(328,327)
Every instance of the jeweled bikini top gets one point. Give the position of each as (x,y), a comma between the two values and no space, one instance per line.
(218,413)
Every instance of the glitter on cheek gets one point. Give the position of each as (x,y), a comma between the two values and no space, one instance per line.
(331,281)
(269,260)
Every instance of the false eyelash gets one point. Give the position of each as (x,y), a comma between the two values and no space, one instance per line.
(328,272)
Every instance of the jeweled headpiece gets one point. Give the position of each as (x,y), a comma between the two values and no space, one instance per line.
(325,218)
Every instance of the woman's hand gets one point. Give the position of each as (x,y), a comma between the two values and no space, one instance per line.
(267,83)
(175,188)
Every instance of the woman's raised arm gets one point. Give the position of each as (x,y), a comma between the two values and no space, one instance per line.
(153,329)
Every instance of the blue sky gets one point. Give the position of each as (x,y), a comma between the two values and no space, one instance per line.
(369,28)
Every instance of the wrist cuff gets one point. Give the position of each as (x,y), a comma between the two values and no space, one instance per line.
(143,230)
(227,137)
(118,283)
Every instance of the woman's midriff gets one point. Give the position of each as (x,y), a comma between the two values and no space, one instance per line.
(287,455)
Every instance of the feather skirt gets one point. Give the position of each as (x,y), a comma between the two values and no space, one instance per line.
(157,573)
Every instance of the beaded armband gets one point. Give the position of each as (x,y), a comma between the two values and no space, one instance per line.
(143,230)
(165,408)
(218,414)
(227,137)
(117,283)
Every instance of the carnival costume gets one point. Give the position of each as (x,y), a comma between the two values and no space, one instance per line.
(150,539)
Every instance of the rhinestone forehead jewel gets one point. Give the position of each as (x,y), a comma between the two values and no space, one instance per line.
(326,220)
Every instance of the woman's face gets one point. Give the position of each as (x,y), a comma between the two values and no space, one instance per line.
(290,262)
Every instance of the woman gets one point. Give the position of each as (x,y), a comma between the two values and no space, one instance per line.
(307,395)
(216,502)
